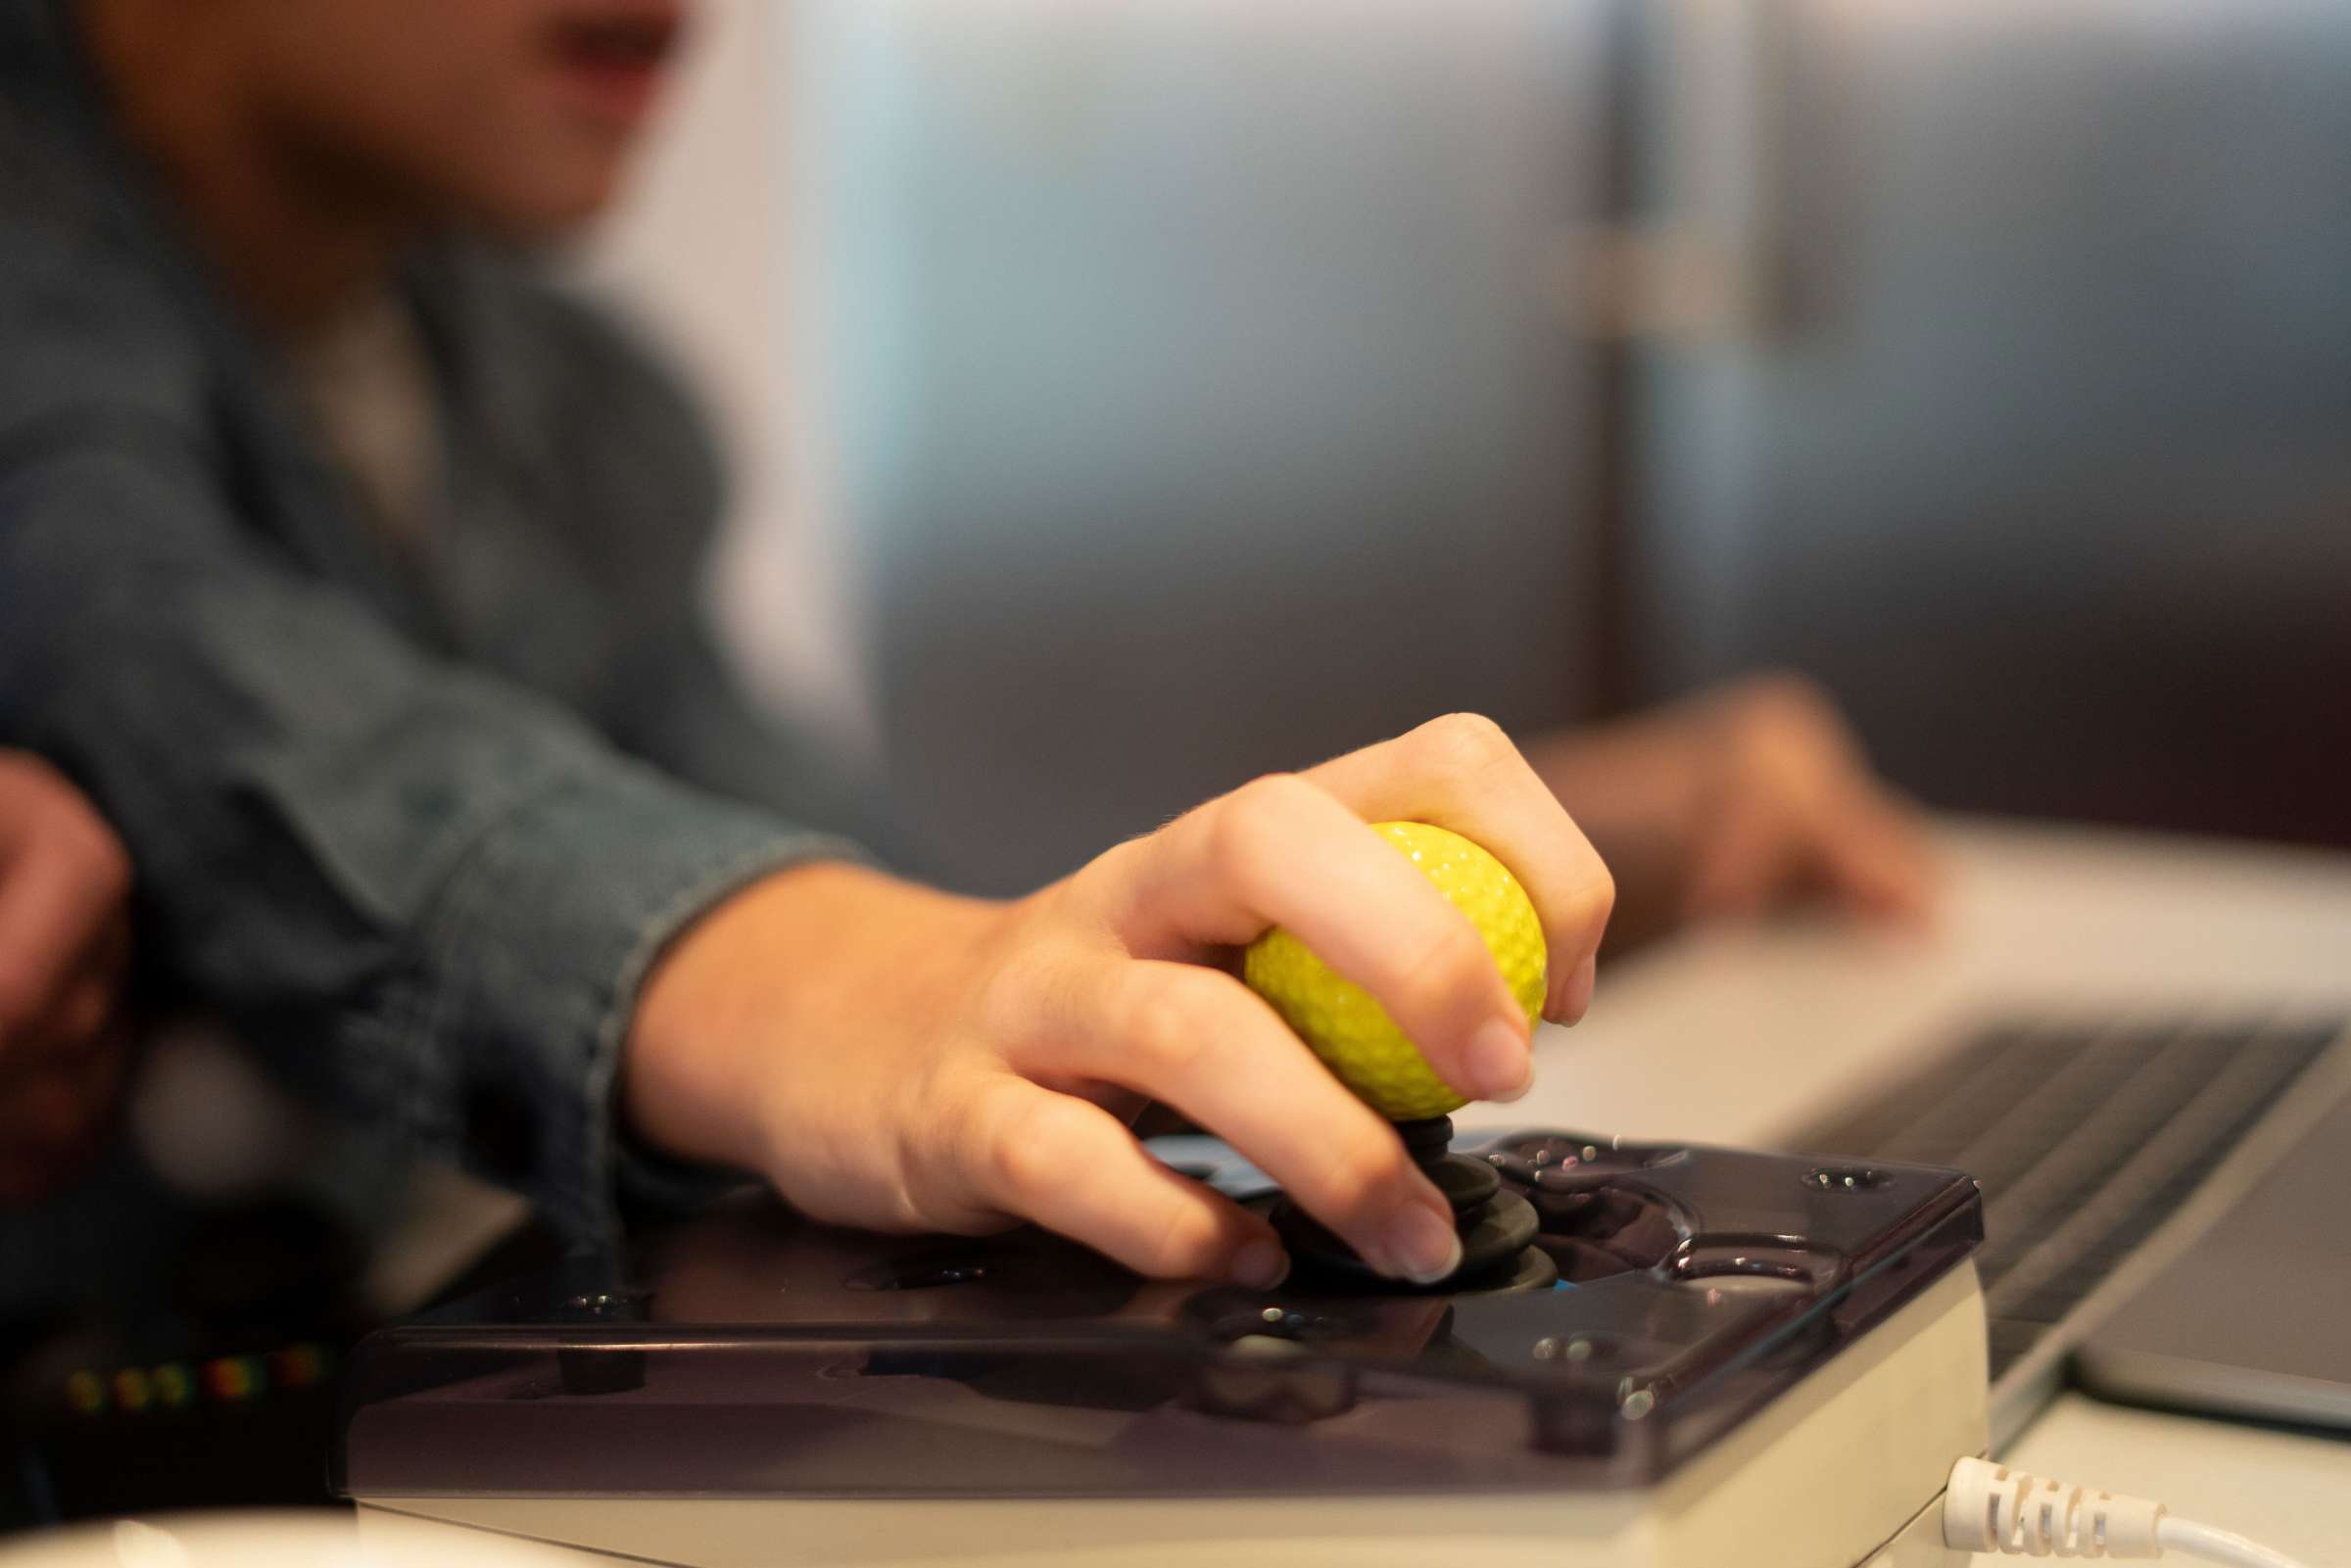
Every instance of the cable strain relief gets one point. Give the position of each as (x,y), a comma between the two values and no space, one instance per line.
(1991,1507)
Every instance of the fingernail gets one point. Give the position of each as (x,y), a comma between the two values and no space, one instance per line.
(1578,998)
(1501,1067)
(1421,1247)
(1260,1266)
(1561,992)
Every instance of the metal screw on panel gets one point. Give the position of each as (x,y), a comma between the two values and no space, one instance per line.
(1551,1347)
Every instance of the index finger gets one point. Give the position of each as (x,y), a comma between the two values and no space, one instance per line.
(1462,771)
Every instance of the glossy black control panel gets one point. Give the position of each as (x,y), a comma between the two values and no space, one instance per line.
(746,1353)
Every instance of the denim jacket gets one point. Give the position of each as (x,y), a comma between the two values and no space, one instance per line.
(416,825)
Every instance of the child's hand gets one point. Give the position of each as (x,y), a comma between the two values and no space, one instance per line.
(898,1059)
(1738,801)
(65,950)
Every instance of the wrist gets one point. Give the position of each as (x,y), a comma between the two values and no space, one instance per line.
(813,957)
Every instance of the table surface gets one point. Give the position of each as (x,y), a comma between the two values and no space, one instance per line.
(2289,1490)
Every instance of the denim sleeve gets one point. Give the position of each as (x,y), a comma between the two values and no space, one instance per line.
(431,895)
(615,440)
(682,708)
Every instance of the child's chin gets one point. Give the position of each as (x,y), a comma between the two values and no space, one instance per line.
(551,208)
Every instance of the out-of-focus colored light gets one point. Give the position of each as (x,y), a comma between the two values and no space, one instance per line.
(173,1385)
(297,1366)
(85,1392)
(232,1378)
(131,1389)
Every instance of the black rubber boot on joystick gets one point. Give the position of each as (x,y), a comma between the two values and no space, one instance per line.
(1497,1227)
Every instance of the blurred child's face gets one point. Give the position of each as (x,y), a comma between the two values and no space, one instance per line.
(509,115)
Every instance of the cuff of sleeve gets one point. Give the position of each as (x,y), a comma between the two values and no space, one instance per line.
(543,939)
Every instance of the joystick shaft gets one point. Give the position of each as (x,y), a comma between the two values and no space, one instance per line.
(1497,1226)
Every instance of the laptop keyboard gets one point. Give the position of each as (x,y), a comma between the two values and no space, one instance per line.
(2085,1135)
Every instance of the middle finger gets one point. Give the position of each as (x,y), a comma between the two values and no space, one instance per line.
(1462,771)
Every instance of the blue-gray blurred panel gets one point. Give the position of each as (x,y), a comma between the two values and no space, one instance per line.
(2047,470)
(1198,396)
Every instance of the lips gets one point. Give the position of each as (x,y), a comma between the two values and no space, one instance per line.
(611,55)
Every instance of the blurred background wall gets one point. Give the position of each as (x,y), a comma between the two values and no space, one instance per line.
(2041,456)
(1132,398)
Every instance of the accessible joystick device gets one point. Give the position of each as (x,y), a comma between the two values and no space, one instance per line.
(1647,1348)
(1496,1222)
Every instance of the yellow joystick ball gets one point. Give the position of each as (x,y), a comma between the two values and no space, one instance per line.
(1352,1032)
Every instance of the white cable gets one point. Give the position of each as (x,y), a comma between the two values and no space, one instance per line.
(1989,1507)
(2217,1546)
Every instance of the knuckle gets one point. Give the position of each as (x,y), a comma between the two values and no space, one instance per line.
(1269,795)
(1170,1032)
(1188,1244)
(1463,745)
(1020,1145)
(1787,700)
(1245,828)
(1357,1182)
(1600,894)
(1014,994)
(1107,879)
